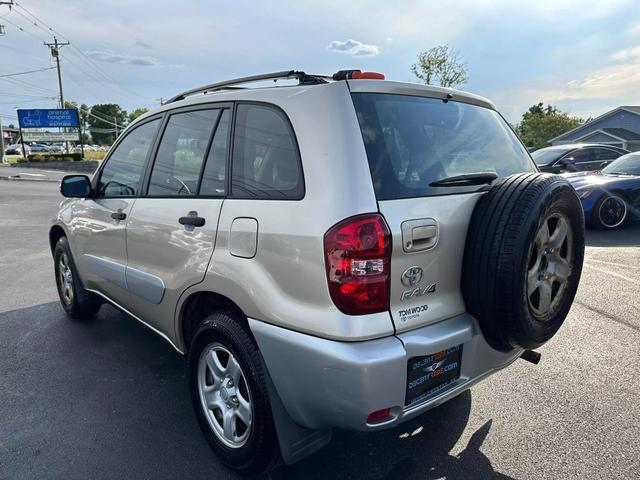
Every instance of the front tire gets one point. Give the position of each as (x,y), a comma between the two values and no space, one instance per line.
(229,394)
(77,302)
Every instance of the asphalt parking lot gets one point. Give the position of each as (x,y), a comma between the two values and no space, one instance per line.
(106,398)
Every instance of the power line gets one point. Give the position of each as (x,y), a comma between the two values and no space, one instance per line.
(24,84)
(23,30)
(25,73)
(81,55)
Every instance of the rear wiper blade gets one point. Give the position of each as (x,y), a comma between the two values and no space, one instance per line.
(468,179)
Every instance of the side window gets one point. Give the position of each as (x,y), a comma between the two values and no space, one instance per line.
(122,174)
(603,154)
(583,155)
(176,170)
(266,162)
(214,176)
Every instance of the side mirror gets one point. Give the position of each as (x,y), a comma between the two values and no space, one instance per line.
(604,164)
(75,186)
(568,164)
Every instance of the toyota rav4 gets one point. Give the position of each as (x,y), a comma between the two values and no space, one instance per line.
(341,252)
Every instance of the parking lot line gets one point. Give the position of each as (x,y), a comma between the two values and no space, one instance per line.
(613,274)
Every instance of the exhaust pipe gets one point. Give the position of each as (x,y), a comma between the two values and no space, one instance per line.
(531,356)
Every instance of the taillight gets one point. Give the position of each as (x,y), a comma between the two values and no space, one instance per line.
(357,256)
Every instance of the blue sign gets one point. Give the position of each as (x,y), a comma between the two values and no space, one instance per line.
(40,118)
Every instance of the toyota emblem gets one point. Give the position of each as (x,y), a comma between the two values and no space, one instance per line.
(411,276)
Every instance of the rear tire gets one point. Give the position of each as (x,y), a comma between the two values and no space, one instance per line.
(228,380)
(77,302)
(523,259)
(610,212)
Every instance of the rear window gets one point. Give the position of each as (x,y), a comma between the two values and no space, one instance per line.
(414,141)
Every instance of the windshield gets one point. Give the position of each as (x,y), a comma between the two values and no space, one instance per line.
(414,141)
(628,164)
(545,156)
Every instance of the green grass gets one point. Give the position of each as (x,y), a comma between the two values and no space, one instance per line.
(9,159)
(94,155)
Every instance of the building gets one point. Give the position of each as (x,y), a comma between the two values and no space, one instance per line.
(619,127)
(11,135)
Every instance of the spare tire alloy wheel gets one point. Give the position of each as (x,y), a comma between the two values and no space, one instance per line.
(549,265)
(523,259)
(225,396)
(612,211)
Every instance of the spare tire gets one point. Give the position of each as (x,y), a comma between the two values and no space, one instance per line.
(523,259)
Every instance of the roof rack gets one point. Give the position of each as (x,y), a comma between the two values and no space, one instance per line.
(303,79)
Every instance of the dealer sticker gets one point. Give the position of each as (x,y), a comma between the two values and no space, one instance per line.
(407,314)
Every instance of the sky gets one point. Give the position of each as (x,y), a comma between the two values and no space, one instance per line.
(580,55)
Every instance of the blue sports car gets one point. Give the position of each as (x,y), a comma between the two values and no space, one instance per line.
(611,196)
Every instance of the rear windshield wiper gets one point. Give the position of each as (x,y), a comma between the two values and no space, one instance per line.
(468,179)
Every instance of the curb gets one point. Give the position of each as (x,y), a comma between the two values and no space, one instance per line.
(18,178)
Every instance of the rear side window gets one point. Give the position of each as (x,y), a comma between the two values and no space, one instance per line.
(266,162)
(180,157)
(413,141)
(122,174)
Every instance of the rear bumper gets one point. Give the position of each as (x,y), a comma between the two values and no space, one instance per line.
(324,383)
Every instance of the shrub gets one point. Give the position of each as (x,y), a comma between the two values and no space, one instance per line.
(54,157)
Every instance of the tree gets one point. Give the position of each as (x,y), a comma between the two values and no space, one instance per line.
(135,113)
(542,123)
(443,65)
(83,114)
(102,120)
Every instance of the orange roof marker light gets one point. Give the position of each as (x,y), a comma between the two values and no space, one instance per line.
(357,75)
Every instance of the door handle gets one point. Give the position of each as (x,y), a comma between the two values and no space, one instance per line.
(118,215)
(192,219)
(419,235)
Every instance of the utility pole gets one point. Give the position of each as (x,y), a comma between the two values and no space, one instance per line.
(1,142)
(55,53)
(2,32)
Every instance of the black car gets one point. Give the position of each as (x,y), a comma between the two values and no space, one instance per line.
(577,157)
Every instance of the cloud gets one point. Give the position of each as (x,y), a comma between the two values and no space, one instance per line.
(626,55)
(142,44)
(112,57)
(354,48)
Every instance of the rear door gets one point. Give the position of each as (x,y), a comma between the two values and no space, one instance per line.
(172,228)
(412,141)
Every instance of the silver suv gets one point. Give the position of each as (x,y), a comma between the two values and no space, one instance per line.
(344,252)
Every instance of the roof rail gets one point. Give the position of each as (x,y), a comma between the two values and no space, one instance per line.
(303,78)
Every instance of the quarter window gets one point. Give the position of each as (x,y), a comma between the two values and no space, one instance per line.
(122,174)
(181,153)
(266,162)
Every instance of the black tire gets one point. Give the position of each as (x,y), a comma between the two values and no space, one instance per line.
(81,304)
(610,212)
(502,251)
(260,452)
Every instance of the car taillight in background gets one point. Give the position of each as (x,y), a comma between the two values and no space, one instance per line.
(357,257)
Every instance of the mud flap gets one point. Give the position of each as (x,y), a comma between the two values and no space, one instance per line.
(295,442)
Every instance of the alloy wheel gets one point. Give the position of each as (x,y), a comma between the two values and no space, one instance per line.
(550,265)
(612,212)
(65,279)
(224,395)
